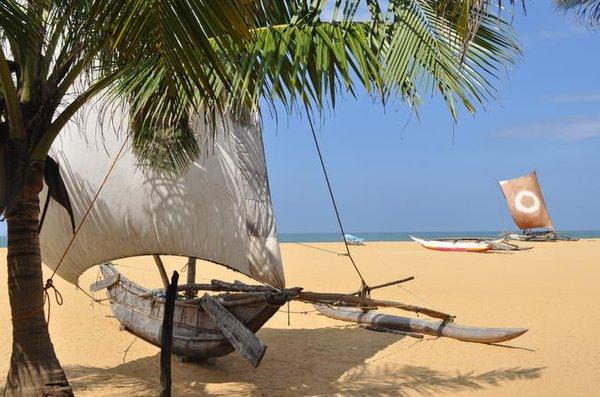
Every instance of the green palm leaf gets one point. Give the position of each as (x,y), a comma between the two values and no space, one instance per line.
(587,10)
(410,52)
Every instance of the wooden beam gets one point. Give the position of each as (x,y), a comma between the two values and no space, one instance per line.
(331,298)
(389,284)
(167,337)
(190,293)
(217,285)
(161,269)
(240,337)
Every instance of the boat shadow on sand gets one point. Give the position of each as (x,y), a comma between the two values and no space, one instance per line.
(298,362)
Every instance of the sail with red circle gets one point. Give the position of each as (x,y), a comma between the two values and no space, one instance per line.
(526,203)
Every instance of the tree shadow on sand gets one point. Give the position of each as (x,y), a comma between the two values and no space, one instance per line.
(323,361)
(398,380)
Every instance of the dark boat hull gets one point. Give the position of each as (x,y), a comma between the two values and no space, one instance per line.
(195,333)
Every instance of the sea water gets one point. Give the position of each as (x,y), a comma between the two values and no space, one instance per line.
(404,236)
(394,236)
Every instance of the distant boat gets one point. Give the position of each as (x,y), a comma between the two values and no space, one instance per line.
(528,209)
(353,240)
(455,245)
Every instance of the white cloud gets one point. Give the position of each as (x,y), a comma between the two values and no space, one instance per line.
(554,34)
(574,97)
(573,129)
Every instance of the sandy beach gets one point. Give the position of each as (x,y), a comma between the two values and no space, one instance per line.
(552,290)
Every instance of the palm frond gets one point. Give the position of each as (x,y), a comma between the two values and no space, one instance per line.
(587,10)
(16,24)
(411,54)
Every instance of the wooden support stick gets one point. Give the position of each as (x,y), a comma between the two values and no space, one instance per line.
(331,298)
(243,302)
(391,331)
(217,285)
(190,293)
(390,283)
(161,269)
(167,337)
(240,337)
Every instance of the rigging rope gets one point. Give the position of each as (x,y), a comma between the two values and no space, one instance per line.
(364,286)
(321,249)
(89,208)
(49,282)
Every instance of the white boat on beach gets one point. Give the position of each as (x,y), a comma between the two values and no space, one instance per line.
(458,245)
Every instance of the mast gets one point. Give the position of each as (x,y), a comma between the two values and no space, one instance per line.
(161,269)
(191,277)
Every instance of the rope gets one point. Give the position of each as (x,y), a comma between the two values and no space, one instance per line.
(57,296)
(322,249)
(364,287)
(421,299)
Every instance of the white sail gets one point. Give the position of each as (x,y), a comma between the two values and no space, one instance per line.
(219,211)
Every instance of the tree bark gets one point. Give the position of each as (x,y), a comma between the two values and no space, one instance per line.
(34,367)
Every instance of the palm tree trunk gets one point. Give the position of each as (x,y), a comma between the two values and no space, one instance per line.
(34,367)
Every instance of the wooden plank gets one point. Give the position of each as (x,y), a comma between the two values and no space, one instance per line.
(428,327)
(167,337)
(223,286)
(105,283)
(240,337)
(331,298)
(161,269)
(190,293)
(388,284)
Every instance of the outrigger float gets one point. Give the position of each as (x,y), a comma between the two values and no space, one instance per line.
(219,211)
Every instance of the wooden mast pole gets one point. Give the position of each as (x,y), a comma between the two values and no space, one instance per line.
(161,269)
(191,278)
(167,337)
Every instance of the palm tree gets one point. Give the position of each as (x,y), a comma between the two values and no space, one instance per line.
(164,59)
(587,10)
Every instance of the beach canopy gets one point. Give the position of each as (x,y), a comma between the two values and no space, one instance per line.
(219,211)
(526,203)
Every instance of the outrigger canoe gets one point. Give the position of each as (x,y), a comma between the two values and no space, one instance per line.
(458,245)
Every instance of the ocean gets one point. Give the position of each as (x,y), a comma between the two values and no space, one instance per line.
(393,236)
(404,236)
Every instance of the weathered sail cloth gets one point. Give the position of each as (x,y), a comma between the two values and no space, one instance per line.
(219,211)
(526,203)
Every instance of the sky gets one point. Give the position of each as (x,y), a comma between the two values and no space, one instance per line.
(392,173)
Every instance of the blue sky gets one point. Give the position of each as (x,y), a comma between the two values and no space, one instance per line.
(430,176)
(388,177)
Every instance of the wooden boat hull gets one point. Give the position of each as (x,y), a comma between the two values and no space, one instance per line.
(195,334)
(500,244)
(454,246)
(428,327)
(544,236)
